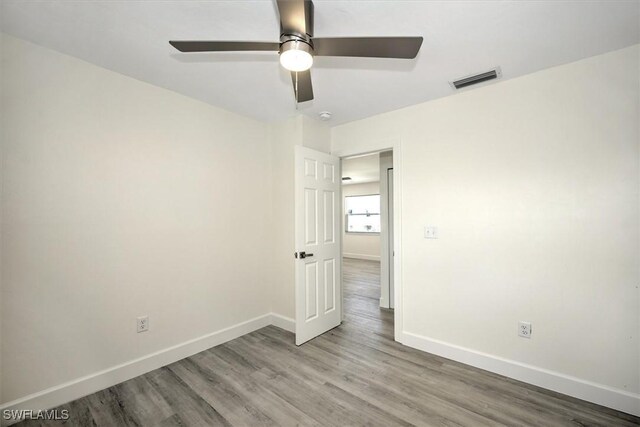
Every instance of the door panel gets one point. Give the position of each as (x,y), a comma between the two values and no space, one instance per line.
(310,168)
(310,216)
(329,217)
(311,288)
(329,172)
(318,272)
(329,285)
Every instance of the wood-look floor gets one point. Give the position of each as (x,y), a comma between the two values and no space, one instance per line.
(353,375)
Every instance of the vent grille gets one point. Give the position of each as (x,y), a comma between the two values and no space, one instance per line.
(476,78)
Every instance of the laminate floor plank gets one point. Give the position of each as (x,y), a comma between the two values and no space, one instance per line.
(262,397)
(353,375)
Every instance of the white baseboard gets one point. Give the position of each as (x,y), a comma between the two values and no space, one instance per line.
(286,323)
(384,302)
(63,393)
(572,386)
(80,387)
(362,256)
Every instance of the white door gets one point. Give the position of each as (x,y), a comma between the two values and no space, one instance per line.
(317,236)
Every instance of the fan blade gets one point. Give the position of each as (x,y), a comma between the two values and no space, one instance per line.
(302,85)
(373,47)
(296,16)
(210,46)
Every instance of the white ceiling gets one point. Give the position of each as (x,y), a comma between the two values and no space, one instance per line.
(361,169)
(460,38)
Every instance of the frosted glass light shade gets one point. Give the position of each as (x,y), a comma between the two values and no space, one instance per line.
(296,56)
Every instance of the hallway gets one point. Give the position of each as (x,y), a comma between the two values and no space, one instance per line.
(361,281)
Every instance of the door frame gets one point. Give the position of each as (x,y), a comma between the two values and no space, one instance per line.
(373,146)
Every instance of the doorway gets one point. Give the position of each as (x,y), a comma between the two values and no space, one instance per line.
(367,257)
(321,224)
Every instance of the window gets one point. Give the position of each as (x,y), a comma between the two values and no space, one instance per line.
(362,214)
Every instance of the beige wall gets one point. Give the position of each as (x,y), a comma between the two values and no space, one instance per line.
(284,136)
(120,199)
(533,184)
(360,245)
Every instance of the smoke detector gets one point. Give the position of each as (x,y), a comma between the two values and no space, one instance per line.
(325,115)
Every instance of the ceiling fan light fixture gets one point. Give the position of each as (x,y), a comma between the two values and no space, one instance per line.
(296,56)
(297,46)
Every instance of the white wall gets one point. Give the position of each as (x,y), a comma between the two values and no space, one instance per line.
(360,245)
(120,199)
(533,184)
(283,138)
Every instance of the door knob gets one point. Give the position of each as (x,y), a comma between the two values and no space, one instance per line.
(302,255)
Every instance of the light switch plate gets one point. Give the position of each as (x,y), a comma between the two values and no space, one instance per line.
(430,232)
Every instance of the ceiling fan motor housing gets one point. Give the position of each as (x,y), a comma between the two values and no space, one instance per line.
(297,33)
(295,43)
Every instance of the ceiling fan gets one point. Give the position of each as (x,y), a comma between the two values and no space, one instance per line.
(297,46)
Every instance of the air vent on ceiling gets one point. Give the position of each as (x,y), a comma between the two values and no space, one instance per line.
(476,78)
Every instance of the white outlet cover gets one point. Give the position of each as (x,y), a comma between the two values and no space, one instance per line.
(430,232)
(142,324)
(524,329)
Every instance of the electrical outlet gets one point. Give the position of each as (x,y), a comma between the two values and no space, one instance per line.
(430,232)
(524,329)
(143,324)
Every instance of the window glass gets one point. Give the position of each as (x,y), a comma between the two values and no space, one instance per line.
(362,213)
